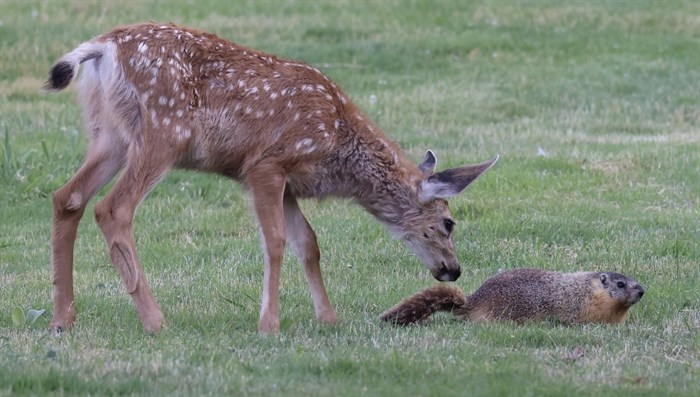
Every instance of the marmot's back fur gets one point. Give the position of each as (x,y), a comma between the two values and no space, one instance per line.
(528,294)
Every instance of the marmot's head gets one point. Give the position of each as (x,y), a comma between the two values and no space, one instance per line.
(621,288)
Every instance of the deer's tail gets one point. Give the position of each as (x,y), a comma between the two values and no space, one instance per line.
(420,306)
(65,69)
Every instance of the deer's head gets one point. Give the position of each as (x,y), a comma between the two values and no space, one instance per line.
(427,227)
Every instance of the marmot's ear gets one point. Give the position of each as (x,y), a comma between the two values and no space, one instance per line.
(603,278)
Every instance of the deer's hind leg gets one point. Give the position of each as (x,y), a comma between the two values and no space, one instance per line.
(146,165)
(103,160)
(305,246)
(105,156)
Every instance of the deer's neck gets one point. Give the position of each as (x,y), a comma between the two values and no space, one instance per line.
(375,173)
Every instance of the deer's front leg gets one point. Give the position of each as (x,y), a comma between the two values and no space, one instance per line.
(267,189)
(303,241)
(102,163)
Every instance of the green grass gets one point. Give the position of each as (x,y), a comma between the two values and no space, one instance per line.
(610,92)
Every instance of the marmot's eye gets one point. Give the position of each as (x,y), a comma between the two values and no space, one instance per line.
(449,224)
(620,284)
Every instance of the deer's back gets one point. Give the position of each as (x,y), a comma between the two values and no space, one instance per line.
(226,107)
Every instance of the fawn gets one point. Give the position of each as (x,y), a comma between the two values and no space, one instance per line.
(156,97)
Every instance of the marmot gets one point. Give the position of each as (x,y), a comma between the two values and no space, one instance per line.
(528,294)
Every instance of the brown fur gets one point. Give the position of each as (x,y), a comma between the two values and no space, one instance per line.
(528,294)
(157,97)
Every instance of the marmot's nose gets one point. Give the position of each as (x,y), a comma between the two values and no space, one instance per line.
(640,291)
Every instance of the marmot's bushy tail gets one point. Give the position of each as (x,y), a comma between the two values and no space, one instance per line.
(66,69)
(422,305)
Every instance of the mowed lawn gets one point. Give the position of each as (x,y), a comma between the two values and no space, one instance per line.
(594,108)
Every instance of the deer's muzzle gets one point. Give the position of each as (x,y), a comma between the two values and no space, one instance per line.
(445,273)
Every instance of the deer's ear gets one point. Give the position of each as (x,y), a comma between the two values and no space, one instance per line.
(427,166)
(451,182)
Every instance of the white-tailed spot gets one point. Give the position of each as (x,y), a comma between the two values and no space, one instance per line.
(186,134)
(154,118)
(302,143)
(182,133)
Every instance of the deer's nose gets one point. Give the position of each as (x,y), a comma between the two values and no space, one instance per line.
(445,273)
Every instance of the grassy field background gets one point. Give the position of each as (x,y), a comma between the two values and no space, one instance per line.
(593,106)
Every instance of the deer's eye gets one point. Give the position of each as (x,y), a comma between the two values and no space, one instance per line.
(449,224)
